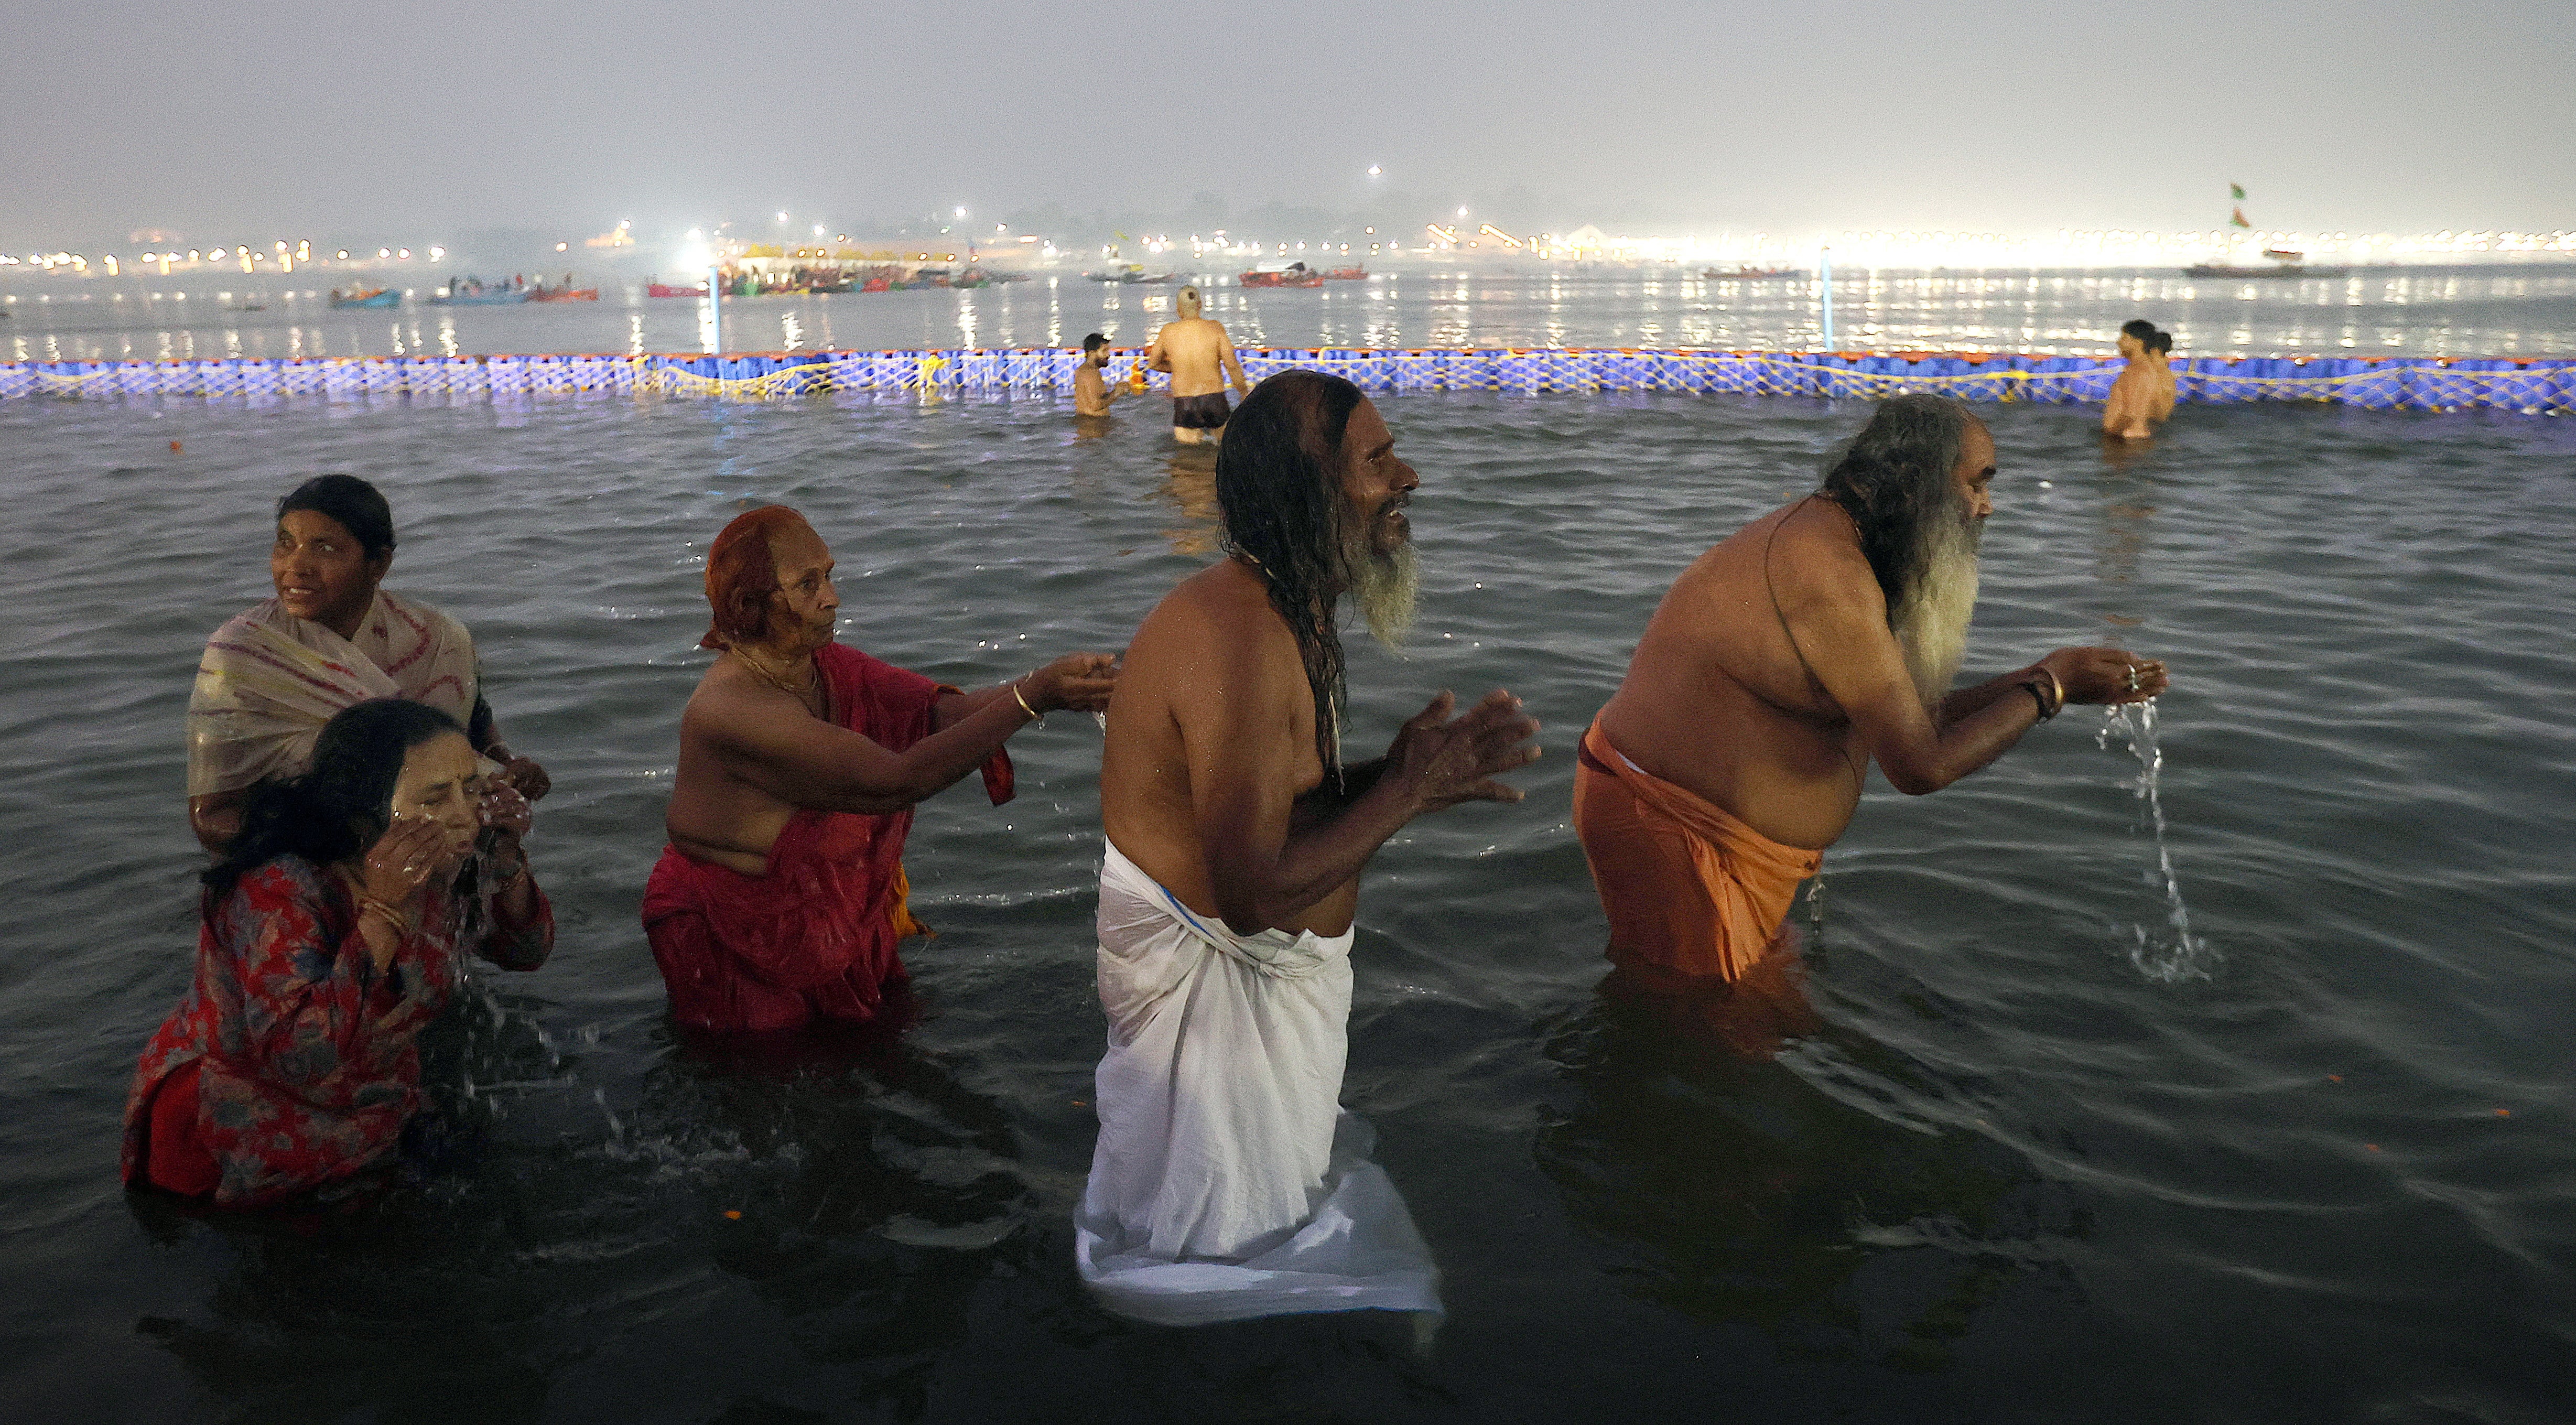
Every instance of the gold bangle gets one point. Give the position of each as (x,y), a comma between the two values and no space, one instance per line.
(1021,700)
(399,921)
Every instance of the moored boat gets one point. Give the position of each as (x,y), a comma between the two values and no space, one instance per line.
(2228,272)
(470,292)
(665,289)
(1712,274)
(1347,274)
(1295,274)
(543,293)
(378,297)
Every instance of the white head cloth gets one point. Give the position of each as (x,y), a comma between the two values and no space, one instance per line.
(269,681)
(1227,1182)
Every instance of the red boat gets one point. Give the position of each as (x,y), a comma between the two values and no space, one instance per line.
(567,294)
(1347,274)
(664,289)
(1295,274)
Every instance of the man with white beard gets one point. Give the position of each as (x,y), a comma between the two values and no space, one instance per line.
(1820,636)
(1227,1181)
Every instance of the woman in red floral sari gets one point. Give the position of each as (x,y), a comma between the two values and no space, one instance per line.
(332,932)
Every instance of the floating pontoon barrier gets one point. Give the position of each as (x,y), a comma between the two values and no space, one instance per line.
(2528,386)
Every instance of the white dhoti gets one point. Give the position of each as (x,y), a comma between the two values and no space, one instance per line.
(1228,1182)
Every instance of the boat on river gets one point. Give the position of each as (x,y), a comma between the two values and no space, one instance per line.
(2285,263)
(1347,274)
(375,298)
(1748,271)
(1131,274)
(1295,274)
(544,293)
(664,289)
(466,292)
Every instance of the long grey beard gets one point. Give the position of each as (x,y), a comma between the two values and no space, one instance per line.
(1931,622)
(1383,587)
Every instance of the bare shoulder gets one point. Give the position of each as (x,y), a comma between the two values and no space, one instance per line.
(1220,615)
(1812,565)
(729,705)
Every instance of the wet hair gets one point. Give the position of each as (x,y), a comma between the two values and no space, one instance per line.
(2139,327)
(2161,343)
(339,806)
(1093,343)
(1279,493)
(357,505)
(1894,477)
(742,574)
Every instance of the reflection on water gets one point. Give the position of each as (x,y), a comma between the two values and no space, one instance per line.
(2436,312)
(1189,482)
(1734,1190)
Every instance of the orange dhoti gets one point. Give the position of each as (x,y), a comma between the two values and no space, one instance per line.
(1688,887)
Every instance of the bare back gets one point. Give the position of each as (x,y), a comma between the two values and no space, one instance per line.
(1199,355)
(1717,699)
(2138,398)
(1213,677)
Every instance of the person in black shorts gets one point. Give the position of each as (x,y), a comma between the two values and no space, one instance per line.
(1201,359)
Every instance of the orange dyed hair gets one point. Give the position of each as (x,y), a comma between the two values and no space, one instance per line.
(742,574)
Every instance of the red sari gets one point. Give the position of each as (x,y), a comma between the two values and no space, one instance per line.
(814,939)
(293,1062)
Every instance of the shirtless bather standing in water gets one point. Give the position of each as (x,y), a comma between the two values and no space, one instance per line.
(1091,393)
(1818,637)
(1201,358)
(2144,392)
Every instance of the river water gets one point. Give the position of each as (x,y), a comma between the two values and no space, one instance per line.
(2046,1153)
(2498,310)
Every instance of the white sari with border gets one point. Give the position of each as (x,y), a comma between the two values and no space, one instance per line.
(269,680)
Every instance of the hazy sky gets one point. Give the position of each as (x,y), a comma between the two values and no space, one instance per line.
(421,119)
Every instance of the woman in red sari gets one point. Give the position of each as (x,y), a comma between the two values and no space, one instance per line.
(331,933)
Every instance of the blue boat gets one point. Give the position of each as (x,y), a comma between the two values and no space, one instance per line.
(381,297)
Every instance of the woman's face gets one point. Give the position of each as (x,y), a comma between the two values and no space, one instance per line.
(321,571)
(441,782)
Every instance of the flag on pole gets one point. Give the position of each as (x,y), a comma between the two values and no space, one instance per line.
(2237,219)
(2236,191)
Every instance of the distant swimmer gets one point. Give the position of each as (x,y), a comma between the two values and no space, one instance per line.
(1201,357)
(782,893)
(1818,637)
(2144,392)
(1091,393)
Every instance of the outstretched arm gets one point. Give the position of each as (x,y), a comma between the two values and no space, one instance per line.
(1835,609)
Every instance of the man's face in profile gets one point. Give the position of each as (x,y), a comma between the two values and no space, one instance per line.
(1377,539)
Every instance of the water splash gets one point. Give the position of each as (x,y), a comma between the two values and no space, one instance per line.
(2173,954)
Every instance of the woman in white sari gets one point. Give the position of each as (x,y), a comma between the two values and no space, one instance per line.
(276,672)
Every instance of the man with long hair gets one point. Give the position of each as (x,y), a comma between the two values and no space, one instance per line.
(1200,356)
(1818,637)
(781,896)
(1236,836)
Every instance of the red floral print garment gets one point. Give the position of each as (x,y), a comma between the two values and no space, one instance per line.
(308,1057)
